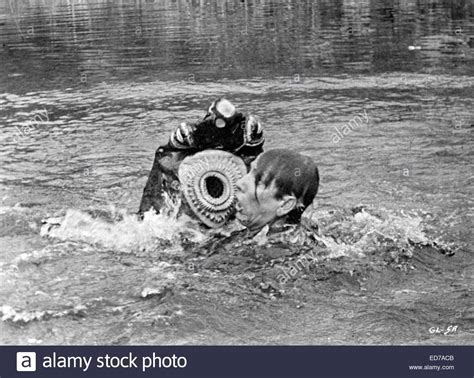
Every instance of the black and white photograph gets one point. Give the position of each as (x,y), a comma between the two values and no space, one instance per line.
(237,173)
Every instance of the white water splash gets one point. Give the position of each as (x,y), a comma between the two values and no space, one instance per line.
(8,313)
(128,234)
(363,233)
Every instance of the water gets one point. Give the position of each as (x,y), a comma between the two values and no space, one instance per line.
(379,95)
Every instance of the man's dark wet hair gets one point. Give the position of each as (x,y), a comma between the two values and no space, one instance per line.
(293,174)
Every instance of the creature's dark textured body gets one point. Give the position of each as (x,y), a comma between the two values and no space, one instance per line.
(242,136)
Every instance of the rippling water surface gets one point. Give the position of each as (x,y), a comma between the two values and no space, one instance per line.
(380,95)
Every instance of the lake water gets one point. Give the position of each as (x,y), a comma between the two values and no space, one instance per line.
(379,94)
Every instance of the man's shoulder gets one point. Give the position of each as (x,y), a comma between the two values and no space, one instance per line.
(292,234)
(238,244)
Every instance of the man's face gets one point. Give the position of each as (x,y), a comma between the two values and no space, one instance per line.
(256,206)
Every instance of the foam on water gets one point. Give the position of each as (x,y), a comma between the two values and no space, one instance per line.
(368,232)
(127,234)
(8,313)
(342,232)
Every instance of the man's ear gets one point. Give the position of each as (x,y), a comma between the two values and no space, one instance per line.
(287,203)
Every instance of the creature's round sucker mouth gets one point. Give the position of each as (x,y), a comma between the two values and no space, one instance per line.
(214,186)
(209,179)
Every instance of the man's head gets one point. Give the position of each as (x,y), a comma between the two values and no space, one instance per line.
(280,184)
